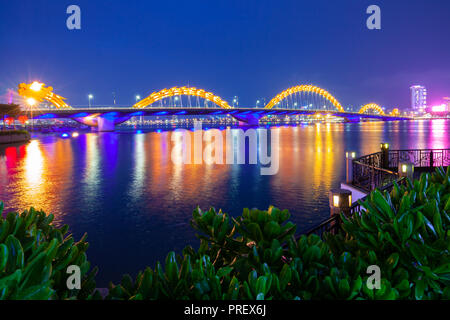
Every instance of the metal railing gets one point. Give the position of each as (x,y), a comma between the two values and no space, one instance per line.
(368,177)
(370,173)
(333,223)
(421,158)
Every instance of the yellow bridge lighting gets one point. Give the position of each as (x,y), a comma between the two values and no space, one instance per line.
(178,91)
(304,88)
(39,92)
(36,86)
(371,106)
(395,112)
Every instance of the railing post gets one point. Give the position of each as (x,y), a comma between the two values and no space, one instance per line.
(340,201)
(349,156)
(406,169)
(431,159)
(385,155)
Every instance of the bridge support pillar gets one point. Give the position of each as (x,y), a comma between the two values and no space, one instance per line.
(248,119)
(352,119)
(105,124)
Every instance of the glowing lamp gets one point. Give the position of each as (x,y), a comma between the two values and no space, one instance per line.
(23,119)
(350,155)
(340,201)
(31,101)
(385,146)
(405,169)
(64,135)
(75,134)
(336,201)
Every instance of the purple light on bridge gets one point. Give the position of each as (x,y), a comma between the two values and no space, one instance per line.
(79,115)
(46,116)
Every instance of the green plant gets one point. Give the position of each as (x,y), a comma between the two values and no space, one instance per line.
(405,232)
(34,256)
(197,280)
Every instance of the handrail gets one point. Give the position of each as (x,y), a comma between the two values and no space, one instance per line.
(333,223)
(375,167)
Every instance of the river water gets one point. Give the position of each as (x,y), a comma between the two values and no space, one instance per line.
(123,189)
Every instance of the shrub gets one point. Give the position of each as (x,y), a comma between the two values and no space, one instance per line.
(34,256)
(405,232)
(408,230)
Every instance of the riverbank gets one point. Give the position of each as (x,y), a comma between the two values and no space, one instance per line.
(14,136)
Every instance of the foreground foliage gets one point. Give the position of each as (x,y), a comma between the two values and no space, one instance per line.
(404,232)
(34,256)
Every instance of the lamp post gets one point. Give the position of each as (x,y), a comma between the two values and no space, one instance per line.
(406,169)
(90,97)
(138,97)
(385,155)
(349,157)
(340,202)
(31,103)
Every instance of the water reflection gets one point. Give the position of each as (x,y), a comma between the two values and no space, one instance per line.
(34,165)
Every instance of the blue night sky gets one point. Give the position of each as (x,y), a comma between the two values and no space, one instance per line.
(252,49)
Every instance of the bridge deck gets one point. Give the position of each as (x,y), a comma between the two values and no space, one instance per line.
(129,111)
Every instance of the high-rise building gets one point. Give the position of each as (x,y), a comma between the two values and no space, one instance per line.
(418,98)
(447,102)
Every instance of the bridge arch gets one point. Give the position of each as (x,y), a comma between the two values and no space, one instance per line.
(304,88)
(179,91)
(372,106)
(39,92)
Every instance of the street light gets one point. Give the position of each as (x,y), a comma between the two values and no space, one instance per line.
(90,97)
(31,102)
(235,101)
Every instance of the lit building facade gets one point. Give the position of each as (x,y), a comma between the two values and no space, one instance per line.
(418,98)
(447,102)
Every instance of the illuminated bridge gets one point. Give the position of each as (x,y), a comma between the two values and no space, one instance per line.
(184,101)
